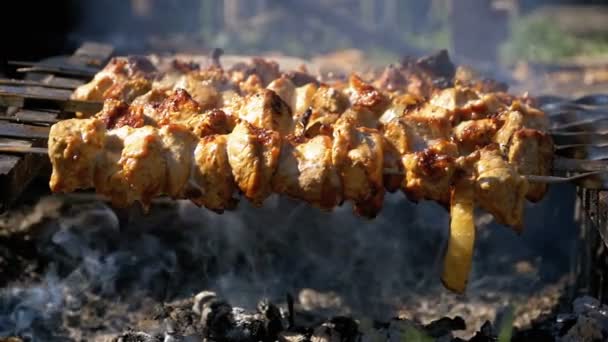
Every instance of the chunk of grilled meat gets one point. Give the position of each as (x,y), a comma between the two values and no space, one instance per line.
(267,110)
(306,171)
(358,153)
(500,189)
(124,78)
(211,182)
(253,154)
(531,152)
(473,134)
(74,148)
(428,175)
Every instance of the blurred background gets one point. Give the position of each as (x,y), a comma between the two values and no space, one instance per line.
(524,36)
(488,30)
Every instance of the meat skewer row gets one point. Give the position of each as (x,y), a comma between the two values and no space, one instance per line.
(127,78)
(422,141)
(136,164)
(318,143)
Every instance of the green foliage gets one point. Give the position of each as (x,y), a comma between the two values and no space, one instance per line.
(412,334)
(505,331)
(541,40)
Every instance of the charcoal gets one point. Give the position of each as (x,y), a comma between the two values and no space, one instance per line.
(585,329)
(288,336)
(133,336)
(445,326)
(584,305)
(216,318)
(273,320)
(485,334)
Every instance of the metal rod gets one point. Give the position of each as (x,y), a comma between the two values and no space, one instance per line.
(9,99)
(17,149)
(5,81)
(556,179)
(53,69)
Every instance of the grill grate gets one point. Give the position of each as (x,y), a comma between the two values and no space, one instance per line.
(592,263)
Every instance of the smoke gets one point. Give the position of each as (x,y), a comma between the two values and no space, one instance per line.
(98,258)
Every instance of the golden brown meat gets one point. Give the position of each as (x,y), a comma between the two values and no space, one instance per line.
(143,165)
(329,100)
(214,121)
(207,95)
(366,96)
(253,154)
(358,154)
(134,167)
(116,114)
(179,108)
(75,146)
(428,175)
(306,172)
(423,125)
(264,70)
(124,78)
(519,116)
(303,99)
(531,152)
(500,189)
(266,110)
(472,134)
(286,90)
(211,182)
(465,104)
(178,143)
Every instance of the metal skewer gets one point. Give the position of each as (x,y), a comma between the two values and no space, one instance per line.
(388,171)
(37,67)
(5,81)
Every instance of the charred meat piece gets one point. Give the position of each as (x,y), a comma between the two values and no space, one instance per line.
(438,66)
(178,108)
(428,175)
(116,114)
(366,96)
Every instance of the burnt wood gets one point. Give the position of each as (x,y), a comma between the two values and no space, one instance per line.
(28,107)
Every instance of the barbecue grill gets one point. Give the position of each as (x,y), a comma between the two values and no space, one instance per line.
(31,105)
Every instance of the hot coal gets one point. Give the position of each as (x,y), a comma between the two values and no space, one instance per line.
(208,317)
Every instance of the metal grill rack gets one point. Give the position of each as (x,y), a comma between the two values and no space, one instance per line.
(29,107)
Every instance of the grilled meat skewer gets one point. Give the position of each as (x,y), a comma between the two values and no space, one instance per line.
(206,134)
